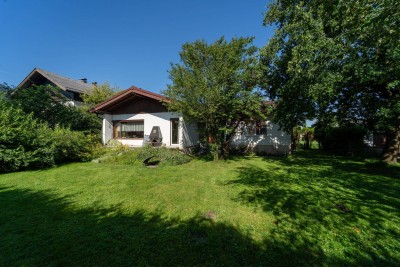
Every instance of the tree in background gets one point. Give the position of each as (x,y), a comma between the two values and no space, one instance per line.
(6,89)
(49,105)
(98,93)
(336,61)
(214,86)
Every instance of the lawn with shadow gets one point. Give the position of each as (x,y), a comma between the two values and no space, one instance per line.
(342,211)
(302,210)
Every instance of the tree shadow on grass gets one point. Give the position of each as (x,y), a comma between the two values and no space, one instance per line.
(41,229)
(341,211)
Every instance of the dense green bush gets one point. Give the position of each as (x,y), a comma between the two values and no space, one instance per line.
(124,155)
(27,143)
(342,140)
(70,145)
(24,142)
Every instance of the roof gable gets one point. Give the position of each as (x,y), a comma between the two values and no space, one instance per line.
(131,94)
(67,84)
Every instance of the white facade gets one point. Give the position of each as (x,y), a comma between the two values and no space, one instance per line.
(274,141)
(187,135)
(138,111)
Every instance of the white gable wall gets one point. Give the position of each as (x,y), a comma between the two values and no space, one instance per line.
(275,141)
(107,128)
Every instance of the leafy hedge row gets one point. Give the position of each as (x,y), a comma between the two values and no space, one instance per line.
(342,140)
(27,143)
(124,155)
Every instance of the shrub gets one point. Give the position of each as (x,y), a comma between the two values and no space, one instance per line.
(342,140)
(25,143)
(70,145)
(124,155)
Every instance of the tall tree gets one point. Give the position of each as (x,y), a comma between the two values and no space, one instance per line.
(214,86)
(336,60)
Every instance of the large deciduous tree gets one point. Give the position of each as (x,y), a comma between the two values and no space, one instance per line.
(336,61)
(214,85)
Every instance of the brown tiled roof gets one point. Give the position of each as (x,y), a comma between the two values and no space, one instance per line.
(65,83)
(133,90)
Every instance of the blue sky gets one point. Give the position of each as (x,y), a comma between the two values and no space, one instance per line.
(123,42)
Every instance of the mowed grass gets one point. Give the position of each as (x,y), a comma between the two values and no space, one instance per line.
(303,210)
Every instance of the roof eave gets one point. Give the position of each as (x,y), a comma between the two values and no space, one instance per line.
(100,108)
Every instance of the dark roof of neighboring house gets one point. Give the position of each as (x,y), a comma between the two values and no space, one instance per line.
(67,84)
(132,91)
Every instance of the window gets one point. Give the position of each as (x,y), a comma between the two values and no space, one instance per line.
(261,128)
(253,128)
(129,129)
(174,131)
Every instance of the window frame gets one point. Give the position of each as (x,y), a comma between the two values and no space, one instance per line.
(171,133)
(115,122)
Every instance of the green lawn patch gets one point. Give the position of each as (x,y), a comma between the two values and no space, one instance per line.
(302,210)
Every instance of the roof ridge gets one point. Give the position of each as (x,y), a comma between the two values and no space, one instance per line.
(146,91)
(132,89)
(65,77)
(63,82)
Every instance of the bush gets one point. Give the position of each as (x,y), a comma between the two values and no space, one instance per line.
(25,143)
(342,140)
(124,155)
(70,145)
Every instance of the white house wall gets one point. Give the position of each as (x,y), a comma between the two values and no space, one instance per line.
(187,135)
(107,128)
(275,141)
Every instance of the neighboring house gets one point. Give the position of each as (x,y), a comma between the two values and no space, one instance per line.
(130,117)
(72,89)
(263,137)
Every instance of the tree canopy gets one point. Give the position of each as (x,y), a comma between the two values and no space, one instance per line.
(98,93)
(49,105)
(214,85)
(336,61)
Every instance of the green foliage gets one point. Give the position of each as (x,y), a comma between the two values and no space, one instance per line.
(25,143)
(165,156)
(214,86)
(343,140)
(72,146)
(49,105)
(6,89)
(334,61)
(98,93)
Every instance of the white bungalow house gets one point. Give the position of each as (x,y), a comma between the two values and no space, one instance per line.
(129,117)
(132,115)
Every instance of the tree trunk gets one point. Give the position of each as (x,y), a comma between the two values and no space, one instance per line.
(307,137)
(392,147)
(293,144)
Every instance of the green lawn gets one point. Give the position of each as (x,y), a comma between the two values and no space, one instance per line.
(308,209)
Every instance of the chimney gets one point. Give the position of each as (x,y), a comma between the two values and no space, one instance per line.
(83,80)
